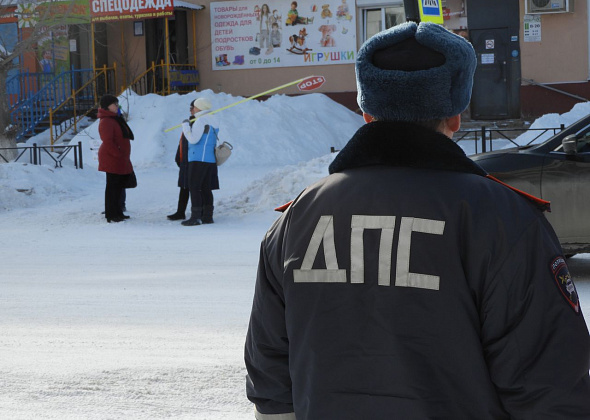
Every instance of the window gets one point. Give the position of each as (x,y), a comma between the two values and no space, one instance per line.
(377,19)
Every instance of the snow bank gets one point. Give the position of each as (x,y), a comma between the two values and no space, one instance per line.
(280,131)
(579,111)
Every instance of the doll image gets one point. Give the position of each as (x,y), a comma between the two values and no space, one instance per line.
(293,17)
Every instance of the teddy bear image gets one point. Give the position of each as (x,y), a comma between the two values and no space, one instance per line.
(326,13)
(327,38)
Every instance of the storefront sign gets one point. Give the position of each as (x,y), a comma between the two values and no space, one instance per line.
(248,34)
(7,15)
(116,10)
(179,78)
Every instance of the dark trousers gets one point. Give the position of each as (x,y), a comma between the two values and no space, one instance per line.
(199,178)
(112,195)
(183,196)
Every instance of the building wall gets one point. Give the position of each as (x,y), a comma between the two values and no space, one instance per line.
(339,77)
(562,54)
(559,61)
(127,50)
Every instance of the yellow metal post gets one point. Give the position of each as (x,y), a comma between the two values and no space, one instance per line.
(93,60)
(153,78)
(167,54)
(123,54)
(75,119)
(106,79)
(195,38)
(163,77)
(114,76)
(51,126)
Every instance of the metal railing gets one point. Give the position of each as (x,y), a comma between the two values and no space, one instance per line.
(485,136)
(35,110)
(56,153)
(22,86)
(81,102)
(30,112)
(166,79)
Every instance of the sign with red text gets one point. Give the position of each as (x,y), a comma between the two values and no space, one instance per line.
(311,83)
(117,10)
(250,34)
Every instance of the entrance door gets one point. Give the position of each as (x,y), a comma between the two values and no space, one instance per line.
(491,84)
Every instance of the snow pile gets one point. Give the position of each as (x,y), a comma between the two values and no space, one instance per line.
(280,131)
(278,187)
(579,111)
(24,185)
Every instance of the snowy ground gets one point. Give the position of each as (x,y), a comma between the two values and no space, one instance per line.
(146,319)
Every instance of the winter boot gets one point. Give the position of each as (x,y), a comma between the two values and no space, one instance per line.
(182,202)
(195,219)
(176,216)
(207,215)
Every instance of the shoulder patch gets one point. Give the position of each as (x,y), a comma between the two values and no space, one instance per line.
(564,282)
(284,207)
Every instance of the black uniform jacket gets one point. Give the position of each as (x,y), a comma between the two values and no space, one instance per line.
(406,285)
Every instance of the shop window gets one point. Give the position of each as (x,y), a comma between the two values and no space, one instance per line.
(377,19)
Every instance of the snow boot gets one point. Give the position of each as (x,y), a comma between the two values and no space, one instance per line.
(176,216)
(207,215)
(183,196)
(195,219)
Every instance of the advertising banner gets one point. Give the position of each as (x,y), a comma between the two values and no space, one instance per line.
(251,34)
(116,10)
(53,53)
(7,15)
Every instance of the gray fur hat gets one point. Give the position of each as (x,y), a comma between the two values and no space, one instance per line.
(415,72)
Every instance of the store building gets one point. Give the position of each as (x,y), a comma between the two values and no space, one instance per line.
(244,47)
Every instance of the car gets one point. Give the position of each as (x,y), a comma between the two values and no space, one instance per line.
(557,170)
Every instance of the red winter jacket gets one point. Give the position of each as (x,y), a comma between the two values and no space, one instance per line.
(114,152)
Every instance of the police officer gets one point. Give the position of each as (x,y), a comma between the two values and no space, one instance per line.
(408,284)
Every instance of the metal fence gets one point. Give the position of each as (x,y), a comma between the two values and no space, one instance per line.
(485,137)
(55,153)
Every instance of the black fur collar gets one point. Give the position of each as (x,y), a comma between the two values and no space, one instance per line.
(403,144)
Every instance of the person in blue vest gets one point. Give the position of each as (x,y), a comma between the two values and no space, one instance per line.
(202,138)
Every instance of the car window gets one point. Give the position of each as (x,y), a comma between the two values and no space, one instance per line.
(584,144)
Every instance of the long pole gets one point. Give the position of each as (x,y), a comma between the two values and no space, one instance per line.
(245,100)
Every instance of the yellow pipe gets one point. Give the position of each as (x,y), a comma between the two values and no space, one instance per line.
(93,60)
(123,53)
(195,38)
(266,92)
(167,54)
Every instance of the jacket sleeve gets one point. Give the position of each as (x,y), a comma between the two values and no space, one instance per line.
(193,134)
(536,345)
(268,384)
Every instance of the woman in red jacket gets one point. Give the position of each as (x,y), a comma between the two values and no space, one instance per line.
(113,155)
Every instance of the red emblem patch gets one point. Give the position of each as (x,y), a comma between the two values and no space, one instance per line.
(563,279)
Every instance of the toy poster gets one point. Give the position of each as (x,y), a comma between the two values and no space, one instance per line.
(275,33)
